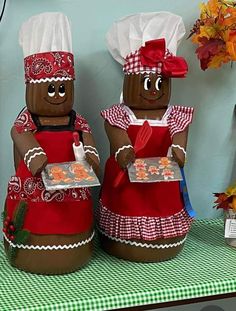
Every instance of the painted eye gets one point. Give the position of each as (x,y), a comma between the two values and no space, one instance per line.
(51,90)
(147,83)
(158,83)
(62,90)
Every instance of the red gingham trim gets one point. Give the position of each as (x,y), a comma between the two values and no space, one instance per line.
(117,116)
(179,119)
(49,66)
(142,228)
(133,64)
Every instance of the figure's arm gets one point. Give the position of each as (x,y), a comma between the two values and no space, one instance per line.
(17,157)
(180,141)
(119,138)
(90,150)
(26,147)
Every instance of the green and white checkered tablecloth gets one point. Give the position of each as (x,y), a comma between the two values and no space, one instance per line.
(205,267)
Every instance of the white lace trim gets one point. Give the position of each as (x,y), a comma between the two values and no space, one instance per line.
(135,121)
(139,244)
(50,247)
(50,79)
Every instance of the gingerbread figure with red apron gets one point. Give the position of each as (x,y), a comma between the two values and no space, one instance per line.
(145,222)
(48,232)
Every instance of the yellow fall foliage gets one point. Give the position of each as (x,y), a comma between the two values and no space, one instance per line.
(217,21)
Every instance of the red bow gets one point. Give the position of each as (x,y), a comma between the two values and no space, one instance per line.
(154,52)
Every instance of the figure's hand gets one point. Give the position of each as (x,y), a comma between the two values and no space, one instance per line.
(93,161)
(179,147)
(37,164)
(125,157)
(25,147)
(91,153)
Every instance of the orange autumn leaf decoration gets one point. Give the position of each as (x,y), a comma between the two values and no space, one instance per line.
(227,199)
(215,33)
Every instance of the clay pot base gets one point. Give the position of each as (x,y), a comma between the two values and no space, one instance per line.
(53,261)
(142,254)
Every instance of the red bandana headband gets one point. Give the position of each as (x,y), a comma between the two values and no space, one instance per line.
(154,57)
(49,66)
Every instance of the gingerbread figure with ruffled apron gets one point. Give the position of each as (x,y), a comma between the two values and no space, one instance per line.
(48,232)
(149,221)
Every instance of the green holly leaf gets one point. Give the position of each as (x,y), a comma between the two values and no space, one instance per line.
(4,215)
(21,237)
(19,215)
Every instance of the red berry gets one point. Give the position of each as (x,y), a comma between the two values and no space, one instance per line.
(12,228)
(6,222)
(11,237)
(4,230)
(8,218)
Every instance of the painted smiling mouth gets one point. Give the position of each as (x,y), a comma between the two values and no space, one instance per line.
(152,99)
(55,103)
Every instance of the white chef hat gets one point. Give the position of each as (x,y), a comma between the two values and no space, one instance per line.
(47,47)
(128,35)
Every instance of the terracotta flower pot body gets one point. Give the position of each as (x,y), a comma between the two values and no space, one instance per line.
(54,261)
(144,251)
(50,99)
(42,234)
(121,213)
(146,91)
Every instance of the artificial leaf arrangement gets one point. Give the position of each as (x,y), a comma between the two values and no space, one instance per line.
(13,231)
(215,33)
(227,199)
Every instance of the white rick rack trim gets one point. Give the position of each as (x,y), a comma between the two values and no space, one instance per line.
(50,247)
(32,150)
(90,147)
(50,79)
(33,156)
(121,149)
(138,72)
(138,244)
(179,147)
(93,152)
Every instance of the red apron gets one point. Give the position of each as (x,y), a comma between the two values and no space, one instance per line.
(58,212)
(161,199)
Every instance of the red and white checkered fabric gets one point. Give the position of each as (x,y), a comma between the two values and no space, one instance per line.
(143,228)
(117,116)
(178,119)
(155,57)
(133,64)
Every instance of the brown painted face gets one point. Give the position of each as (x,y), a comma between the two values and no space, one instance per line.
(146,91)
(50,99)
